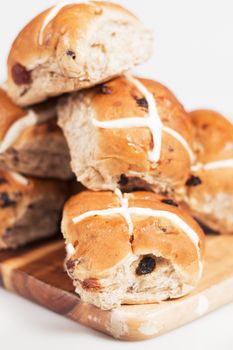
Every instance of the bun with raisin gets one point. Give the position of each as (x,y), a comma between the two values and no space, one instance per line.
(209,190)
(134,248)
(128,133)
(72,46)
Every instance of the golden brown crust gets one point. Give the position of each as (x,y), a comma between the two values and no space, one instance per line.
(20,199)
(11,112)
(213,136)
(64,23)
(125,151)
(103,241)
(39,131)
(122,103)
(55,47)
(98,231)
(211,199)
(158,202)
(38,150)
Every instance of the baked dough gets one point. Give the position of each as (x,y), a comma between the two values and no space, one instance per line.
(72,46)
(134,248)
(209,190)
(30,209)
(31,142)
(127,133)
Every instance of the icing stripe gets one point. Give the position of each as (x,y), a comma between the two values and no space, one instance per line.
(19,178)
(127,211)
(144,212)
(16,129)
(141,122)
(53,13)
(30,119)
(70,250)
(179,138)
(151,121)
(175,219)
(220,164)
(102,212)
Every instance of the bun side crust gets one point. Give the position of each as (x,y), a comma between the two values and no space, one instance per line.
(61,55)
(104,258)
(211,199)
(212,133)
(30,140)
(30,209)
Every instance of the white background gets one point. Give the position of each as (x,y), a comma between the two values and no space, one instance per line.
(193,55)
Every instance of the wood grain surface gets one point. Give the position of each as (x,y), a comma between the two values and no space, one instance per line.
(36,273)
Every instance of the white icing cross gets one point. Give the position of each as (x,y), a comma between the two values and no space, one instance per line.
(30,119)
(70,250)
(53,13)
(220,164)
(127,211)
(152,121)
(19,178)
(16,129)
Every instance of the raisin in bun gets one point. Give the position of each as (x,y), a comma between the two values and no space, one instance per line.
(31,142)
(128,133)
(209,190)
(30,209)
(134,248)
(73,46)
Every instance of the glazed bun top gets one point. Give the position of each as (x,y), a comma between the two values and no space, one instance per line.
(141,128)
(213,136)
(97,223)
(62,39)
(127,98)
(71,18)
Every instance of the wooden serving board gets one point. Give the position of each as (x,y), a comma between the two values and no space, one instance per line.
(36,273)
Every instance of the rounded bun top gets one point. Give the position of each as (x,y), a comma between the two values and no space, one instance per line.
(213,136)
(141,130)
(104,228)
(74,41)
(69,20)
(123,98)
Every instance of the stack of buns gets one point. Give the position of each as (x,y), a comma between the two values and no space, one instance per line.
(145,162)
(34,164)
